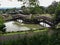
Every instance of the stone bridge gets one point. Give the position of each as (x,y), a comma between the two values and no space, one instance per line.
(37,19)
(8,17)
(45,19)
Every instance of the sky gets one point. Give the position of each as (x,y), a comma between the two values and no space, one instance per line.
(10,3)
(47,2)
(17,4)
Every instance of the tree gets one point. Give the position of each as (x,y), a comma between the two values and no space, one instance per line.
(57,12)
(2,24)
(19,0)
(33,7)
(33,3)
(56,18)
(51,9)
(36,10)
(25,10)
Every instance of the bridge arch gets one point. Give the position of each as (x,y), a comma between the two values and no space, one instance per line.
(45,20)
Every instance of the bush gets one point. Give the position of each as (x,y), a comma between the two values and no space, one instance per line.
(2,28)
(34,39)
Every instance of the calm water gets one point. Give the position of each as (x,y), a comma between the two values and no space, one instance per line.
(10,26)
(44,24)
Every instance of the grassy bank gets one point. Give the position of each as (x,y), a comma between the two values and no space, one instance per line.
(22,32)
(33,38)
(37,26)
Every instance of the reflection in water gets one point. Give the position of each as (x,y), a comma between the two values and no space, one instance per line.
(44,24)
(19,20)
(10,26)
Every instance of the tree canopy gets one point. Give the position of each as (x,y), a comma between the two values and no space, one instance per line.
(2,24)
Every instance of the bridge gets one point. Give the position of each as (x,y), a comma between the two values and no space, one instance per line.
(27,18)
(15,17)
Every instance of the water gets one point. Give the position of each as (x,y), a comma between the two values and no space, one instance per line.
(19,20)
(10,26)
(44,24)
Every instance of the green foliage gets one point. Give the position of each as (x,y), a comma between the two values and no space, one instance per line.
(32,10)
(36,10)
(41,38)
(19,0)
(1,20)
(57,13)
(51,9)
(32,0)
(2,24)
(25,10)
(2,28)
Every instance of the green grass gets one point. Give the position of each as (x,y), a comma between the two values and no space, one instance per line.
(22,32)
(36,26)
(28,25)
(34,39)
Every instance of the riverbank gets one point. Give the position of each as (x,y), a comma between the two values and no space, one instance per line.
(23,32)
(38,37)
(11,35)
(28,25)
(14,26)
